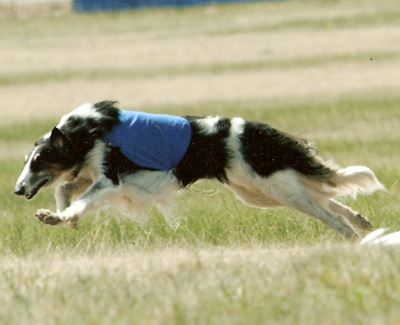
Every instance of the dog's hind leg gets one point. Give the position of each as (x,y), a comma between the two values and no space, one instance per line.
(285,188)
(354,217)
(252,196)
(335,221)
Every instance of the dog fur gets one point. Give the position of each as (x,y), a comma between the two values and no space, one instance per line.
(262,166)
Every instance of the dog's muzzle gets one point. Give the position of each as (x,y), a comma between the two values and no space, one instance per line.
(21,189)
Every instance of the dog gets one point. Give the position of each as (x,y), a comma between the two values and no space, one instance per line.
(99,155)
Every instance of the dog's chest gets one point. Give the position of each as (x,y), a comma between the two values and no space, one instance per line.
(151,140)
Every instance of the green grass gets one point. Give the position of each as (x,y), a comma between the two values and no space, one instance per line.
(227,263)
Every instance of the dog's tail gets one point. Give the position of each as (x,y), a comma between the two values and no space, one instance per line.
(354,180)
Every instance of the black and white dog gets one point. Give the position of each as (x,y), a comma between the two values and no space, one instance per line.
(100,155)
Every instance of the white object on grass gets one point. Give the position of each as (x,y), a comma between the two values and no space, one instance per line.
(378,238)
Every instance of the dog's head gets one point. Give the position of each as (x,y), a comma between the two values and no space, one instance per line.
(44,165)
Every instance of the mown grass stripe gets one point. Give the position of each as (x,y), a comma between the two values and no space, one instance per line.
(192,69)
(311,23)
(217,21)
(332,115)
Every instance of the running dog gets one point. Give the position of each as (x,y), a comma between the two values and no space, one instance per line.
(99,155)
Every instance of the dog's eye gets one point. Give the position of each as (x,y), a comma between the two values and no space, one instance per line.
(38,163)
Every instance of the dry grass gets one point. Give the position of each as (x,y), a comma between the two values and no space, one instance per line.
(189,285)
(290,51)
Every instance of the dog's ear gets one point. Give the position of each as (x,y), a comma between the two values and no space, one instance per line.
(42,139)
(57,138)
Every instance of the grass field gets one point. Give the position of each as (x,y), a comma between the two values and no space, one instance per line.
(324,70)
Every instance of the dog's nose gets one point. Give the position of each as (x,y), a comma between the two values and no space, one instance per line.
(20,190)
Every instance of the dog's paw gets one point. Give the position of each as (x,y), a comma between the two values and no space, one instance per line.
(364,222)
(48,217)
(73,223)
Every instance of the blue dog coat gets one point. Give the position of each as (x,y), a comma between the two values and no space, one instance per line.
(151,140)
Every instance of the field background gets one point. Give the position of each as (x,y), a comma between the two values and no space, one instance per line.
(324,70)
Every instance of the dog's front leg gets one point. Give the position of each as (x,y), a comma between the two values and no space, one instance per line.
(92,199)
(65,192)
